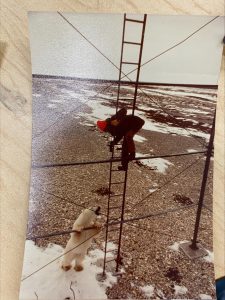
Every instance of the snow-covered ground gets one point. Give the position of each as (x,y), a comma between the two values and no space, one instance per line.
(158,164)
(52,282)
(100,110)
(206,94)
(163,100)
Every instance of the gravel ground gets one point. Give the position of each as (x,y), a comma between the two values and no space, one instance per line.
(58,194)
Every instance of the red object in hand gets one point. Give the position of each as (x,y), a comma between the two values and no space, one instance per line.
(102,125)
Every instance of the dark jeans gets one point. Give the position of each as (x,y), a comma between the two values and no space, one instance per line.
(128,145)
(125,154)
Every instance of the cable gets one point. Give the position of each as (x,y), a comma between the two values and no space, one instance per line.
(112,160)
(57,258)
(71,111)
(63,232)
(206,207)
(87,40)
(168,181)
(174,46)
(125,75)
(153,215)
(153,231)
(60,197)
(158,214)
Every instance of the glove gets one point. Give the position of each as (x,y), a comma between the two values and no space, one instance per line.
(111,145)
(131,156)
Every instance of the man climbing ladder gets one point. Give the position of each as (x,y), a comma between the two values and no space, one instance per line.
(123,126)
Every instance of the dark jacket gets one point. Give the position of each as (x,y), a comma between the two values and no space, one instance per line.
(128,124)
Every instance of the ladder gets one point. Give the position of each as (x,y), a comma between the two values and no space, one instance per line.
(137,63)
(117,187)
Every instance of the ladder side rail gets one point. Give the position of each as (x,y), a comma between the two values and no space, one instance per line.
(121,221)
(121,59)
(139,63)
(108,211)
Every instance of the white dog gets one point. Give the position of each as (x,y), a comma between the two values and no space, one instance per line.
(80,241)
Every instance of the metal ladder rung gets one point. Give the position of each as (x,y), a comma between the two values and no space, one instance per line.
(116,195)
(107,261)
(127,83)
(114,207)
(112,241)
(115,229)
(132,43)
(112,250)
(113,220)
(130,63)
(126,99)
(132,20)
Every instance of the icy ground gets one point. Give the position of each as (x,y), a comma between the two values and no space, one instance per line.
(52,283)
(158,164)
(187,106)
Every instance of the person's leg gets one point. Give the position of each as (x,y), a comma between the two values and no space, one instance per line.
(130,142)
(124,156)
(130,138)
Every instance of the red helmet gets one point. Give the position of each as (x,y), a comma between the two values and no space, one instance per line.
(102,125)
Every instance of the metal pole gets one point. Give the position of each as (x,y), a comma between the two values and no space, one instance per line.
(118,260)
(108,208)
(203,186)
(113,160)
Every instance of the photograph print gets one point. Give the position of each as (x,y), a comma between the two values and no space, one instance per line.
(121,190)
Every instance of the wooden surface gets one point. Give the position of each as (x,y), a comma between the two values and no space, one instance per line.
(16,120)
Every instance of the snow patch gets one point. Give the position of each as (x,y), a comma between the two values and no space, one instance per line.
(53,281)
(139,138)
(191,150)
(205,297)
(192,110)
(160,294)
(148,290)
(210,257)
(88,124)
(176,245)
(99,111)
(160,164)
(182,92)
(180,290)
(164,128)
